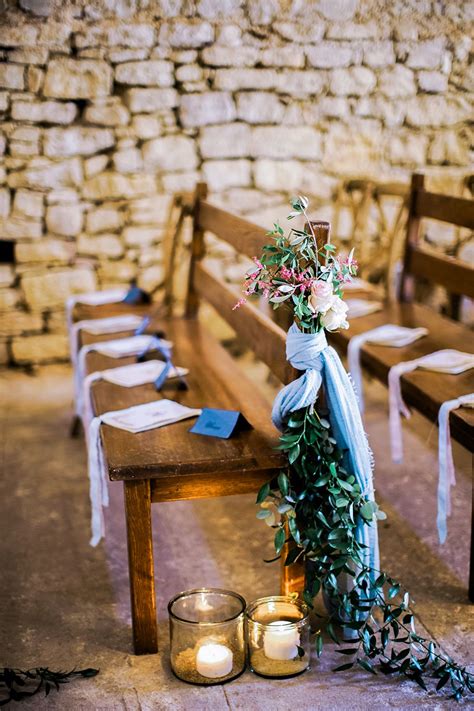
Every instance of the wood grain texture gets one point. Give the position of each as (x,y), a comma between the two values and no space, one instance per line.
(246,237)
(197,251)
(140,564)
(262,335)
(457,277)
(446,208)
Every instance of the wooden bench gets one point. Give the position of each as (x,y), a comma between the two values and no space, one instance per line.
(170,464)
(424,390)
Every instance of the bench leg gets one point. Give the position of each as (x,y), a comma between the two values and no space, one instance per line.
(140,566)
(292,576)
(471,564)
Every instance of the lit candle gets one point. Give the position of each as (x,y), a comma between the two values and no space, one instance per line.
(281,641)
(214,660)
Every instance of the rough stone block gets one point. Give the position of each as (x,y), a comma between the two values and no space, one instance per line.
(103,245)
(17,323)
(355,81)
(117,271)
(113,34)
(222,56)
(150,100)
(147,73)
(44,348)
(95,165)
(299,83)
(36,55)
(76,140)
(432,82)
(145,126)
(450,147)
(408,149)
(108,114)
(180,182)
(189,73)
(379,54)
(427,54)
(259,107)
(223,174)
(128,160)
(18,227)
(280,175)
(327,55)
(28,203)
(64,220)
(436,110)
(237,79)
(338,10)
(201,110)
(7,275)
(151,278)
(4,203)
(304,33)
(50,251)
(279,142)
(154,210)
(138,236)
(170,153)
(40,8)
(397,82)
(52,288)
(230,140)
(77,79)
(186,34)
(44,111)
(349,148)
(116,186)
(12,76)
(24,35)
(286,56)
(43,174)
(104,219)
(9,298)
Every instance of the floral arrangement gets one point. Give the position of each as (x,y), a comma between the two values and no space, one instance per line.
(298,272)
(316,505)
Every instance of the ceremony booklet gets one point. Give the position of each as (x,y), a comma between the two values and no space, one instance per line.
(113,324)
(149,416)
(449,361)
(121,347)
(129,376)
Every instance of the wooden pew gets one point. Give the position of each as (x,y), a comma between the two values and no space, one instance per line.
(424,390)
(170,464)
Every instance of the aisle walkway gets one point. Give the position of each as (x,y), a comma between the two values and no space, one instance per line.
(64,604)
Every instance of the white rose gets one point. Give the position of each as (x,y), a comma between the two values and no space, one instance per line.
(321,297)
(335,318)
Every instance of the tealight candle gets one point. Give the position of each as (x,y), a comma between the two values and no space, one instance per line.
(214,660)
(281,641)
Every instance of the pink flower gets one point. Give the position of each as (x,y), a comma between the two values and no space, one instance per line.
(321,298)
(239,303)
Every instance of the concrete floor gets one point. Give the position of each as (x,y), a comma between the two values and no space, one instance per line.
(64,604)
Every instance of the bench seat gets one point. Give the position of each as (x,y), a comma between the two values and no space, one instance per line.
(422,389)
(182,465)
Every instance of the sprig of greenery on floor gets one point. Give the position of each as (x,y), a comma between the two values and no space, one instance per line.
(17,685)
(320,505)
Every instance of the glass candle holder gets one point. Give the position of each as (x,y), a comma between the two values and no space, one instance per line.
(277,631)
(207,635)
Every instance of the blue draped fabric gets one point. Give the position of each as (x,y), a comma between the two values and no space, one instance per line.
(321,364)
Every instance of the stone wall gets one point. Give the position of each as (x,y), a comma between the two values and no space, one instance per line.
(109,105)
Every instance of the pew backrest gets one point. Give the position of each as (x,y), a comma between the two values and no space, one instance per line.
(264,337)
(424,264)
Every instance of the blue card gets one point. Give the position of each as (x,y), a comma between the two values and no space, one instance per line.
(219,423)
